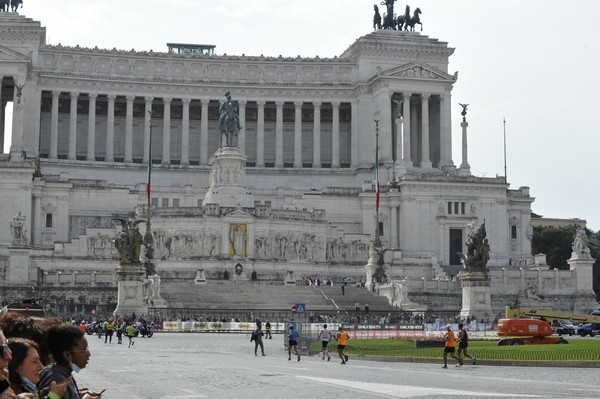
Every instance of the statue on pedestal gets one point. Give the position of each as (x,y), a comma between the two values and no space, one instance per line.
(18,231)
(580,245)
(229,120)
(129,242)
(478,251)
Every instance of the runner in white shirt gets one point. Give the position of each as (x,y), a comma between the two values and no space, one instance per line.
(325,337)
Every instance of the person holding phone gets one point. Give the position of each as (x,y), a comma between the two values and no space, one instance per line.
(69,349)
(24,370)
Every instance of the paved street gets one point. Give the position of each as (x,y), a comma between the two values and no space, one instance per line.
(190,366)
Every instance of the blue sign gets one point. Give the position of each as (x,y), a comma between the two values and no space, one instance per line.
(300,307)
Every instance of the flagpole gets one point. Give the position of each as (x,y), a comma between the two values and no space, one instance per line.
(377,188)
(148,240)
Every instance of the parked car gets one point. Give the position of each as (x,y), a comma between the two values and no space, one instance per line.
(562,327)
(590,329)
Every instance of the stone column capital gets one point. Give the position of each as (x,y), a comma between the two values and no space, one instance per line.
(148,100)
(129,99)
(92,96)
(425,96)
(279,104)
(317,104)
(74,95)
(167,100)
(56,93)
(261,103)
(335,104)
(298,104)
(242,103)
(111,97)
(186,101)
(204,102)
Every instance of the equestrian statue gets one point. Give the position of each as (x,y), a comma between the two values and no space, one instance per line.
(229,121)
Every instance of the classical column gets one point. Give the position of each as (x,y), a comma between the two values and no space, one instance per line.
(446,133)
(279,134)
(166,142)
(465,169)
(260,135)
(335,139)
(54,126)
(91,133)
(414,127)
(36,237)
(298,134)
(406,157)
(394,227)
(242,134)
(185,132)
(204,133)
(147,114)
(2,118)
(425,161)
(317,135)
(17,134)
(354,137)
(73,127)
(129,130)
(110,129)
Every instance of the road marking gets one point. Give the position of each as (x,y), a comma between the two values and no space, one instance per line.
(404,391)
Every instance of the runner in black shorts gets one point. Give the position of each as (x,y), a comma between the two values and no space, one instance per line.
(463,344)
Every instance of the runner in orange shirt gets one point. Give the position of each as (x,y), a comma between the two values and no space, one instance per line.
(342,337)
(450,348)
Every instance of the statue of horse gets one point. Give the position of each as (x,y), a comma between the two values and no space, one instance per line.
(14,4)
(414,20)
(229,124)
(376,18)
(4,5)
(402,20)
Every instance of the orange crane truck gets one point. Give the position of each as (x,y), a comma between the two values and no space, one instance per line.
(525,326)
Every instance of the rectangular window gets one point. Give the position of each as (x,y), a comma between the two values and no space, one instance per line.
(380,228)
(165,203)
(462,208)
(48,220)
(456,246)
(513,232)
(449,208)
(175,202)
(155,202)
(456,208)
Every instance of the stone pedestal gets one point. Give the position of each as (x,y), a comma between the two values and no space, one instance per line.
(476,295)
(18,265)
(130,293)
(585,299)
(200,277)
(289,278)
(228,180)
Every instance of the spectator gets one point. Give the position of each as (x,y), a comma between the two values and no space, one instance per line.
(69,349)
(24,370)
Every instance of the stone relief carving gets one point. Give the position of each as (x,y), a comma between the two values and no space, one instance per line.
(101,246)
(300,246)
(339,250)
(187,245)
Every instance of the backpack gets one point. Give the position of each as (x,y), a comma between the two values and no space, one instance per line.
(253,336)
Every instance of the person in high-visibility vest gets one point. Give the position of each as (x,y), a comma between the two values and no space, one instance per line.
(130,331)
(110,327)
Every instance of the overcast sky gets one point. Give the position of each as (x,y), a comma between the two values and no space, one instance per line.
(533,62)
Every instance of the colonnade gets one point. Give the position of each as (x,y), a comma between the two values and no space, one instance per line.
(315,157)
